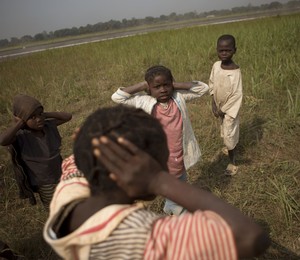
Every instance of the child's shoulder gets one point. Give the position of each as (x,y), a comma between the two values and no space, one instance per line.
(217,64)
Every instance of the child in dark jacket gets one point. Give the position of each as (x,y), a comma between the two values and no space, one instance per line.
(34,143)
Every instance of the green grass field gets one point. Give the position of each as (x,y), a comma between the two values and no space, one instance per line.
(80,79)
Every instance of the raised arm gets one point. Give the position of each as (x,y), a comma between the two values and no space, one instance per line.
(183,85)
(134,96)
(141,86)
(9,135)
(59,117)
(191,90)
(138,174)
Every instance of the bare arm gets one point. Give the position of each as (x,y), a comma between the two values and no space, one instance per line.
(138,174)
(9,135)
(141,86)
(59,117)
(217,113)
(183,85)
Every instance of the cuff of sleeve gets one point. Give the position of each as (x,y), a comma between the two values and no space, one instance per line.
(197,84)
(123,93)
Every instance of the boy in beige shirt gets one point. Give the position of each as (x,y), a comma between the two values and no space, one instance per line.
(225,86)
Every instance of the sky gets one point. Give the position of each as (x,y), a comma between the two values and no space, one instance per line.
(29,17)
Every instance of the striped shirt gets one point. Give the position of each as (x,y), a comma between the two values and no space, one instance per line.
(132,232)
(201,235)
(128,240)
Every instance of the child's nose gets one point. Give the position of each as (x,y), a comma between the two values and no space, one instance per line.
(39,118)
(163,89)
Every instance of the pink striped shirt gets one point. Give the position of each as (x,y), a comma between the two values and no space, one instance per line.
(202,235)
(132,232)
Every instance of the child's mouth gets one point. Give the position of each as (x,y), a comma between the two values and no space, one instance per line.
(165,97)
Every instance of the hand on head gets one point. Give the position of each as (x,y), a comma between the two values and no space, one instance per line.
(17,119)
(75,133)
(131,168)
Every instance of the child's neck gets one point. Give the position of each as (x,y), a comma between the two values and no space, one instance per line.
(38,133)
(93,204)
(229,65)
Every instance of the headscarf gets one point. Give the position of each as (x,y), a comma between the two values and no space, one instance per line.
(24,106)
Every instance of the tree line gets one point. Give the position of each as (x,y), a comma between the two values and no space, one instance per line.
(149,20)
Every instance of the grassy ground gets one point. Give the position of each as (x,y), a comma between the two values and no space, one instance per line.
(81,79)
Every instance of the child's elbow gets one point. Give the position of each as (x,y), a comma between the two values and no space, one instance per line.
(256,244)
(261,243)
(69,117)
(4,141)
(115,98)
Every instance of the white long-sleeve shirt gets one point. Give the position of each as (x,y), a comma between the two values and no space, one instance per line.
(191,150)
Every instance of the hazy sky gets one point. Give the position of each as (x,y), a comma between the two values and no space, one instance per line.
(29,17)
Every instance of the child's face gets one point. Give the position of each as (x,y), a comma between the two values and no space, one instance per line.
(36,120)
(225,50)
(161,88)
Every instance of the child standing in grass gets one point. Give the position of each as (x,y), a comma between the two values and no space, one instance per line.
(166,101)
(35,142)
(225,87)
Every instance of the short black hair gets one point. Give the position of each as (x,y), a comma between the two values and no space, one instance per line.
(133,124)
(227,37)
(158,70)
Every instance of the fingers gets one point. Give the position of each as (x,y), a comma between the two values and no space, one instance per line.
(110,165)
(114,156)
(101,153)
(75,133)
(130,168)
(130,146)
(114,149)
(113,176)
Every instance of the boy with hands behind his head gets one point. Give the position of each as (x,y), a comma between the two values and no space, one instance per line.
(166,101)
(121,153)
(34,142)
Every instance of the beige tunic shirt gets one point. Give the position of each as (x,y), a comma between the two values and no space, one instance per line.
(226,86)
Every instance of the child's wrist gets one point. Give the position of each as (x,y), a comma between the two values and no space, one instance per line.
(21,122)
(143,85)
(159,183)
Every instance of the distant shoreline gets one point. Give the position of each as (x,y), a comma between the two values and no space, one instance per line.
(26,50)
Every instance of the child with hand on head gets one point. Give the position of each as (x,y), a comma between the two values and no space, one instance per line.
(121,153)
(165,100)
(225,87)
(34,142)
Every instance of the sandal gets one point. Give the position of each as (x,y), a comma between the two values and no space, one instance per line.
(231,170)
(224,150)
